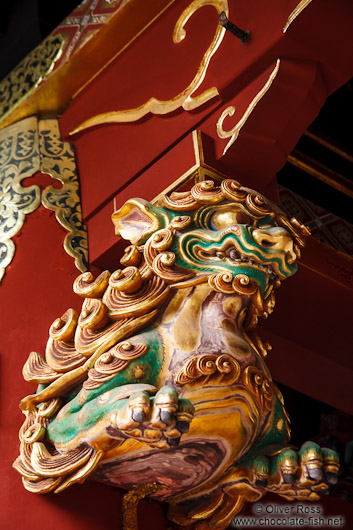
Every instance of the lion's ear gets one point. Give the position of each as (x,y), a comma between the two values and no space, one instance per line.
(137,220)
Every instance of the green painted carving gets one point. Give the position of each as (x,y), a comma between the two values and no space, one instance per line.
(160,385)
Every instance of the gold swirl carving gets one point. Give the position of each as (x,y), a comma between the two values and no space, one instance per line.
(184,99)
(34,433)
(57,464)
(48,408)
(206,193)
(37,370)
(30,72)
(63,328)
(261,386)
(243,285)
(257,205)
(128,281)
(132,256)
(234,132)
(180,222)
(42,486)
(162,240)
(112,362)
(126,305)
(164,266)
(88,287)
(94,314)
(62,356)
(87,340)
(224,282)
(204,369)
(179,201)
(231,190)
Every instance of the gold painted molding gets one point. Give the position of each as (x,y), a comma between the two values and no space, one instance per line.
(26,147)
(229,111)
(184,99)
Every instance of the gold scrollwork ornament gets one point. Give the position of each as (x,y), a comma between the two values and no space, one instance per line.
(184,99)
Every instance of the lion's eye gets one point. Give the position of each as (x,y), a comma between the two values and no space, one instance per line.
(226,217)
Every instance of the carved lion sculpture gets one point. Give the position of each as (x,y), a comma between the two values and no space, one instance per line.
(161,378)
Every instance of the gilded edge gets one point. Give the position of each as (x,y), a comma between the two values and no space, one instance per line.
(229,111)
(29,73)
(184,99)
(296,11)
(26,147)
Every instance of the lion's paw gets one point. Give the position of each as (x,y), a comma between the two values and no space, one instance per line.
(298,475)
(158,421)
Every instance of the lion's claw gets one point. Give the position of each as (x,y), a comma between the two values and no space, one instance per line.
(298,475)
(159,421)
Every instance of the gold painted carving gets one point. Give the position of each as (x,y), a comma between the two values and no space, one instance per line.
(21,81)
(234,132)
(25,148)
(296,11)
(209,369)
(184,99)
